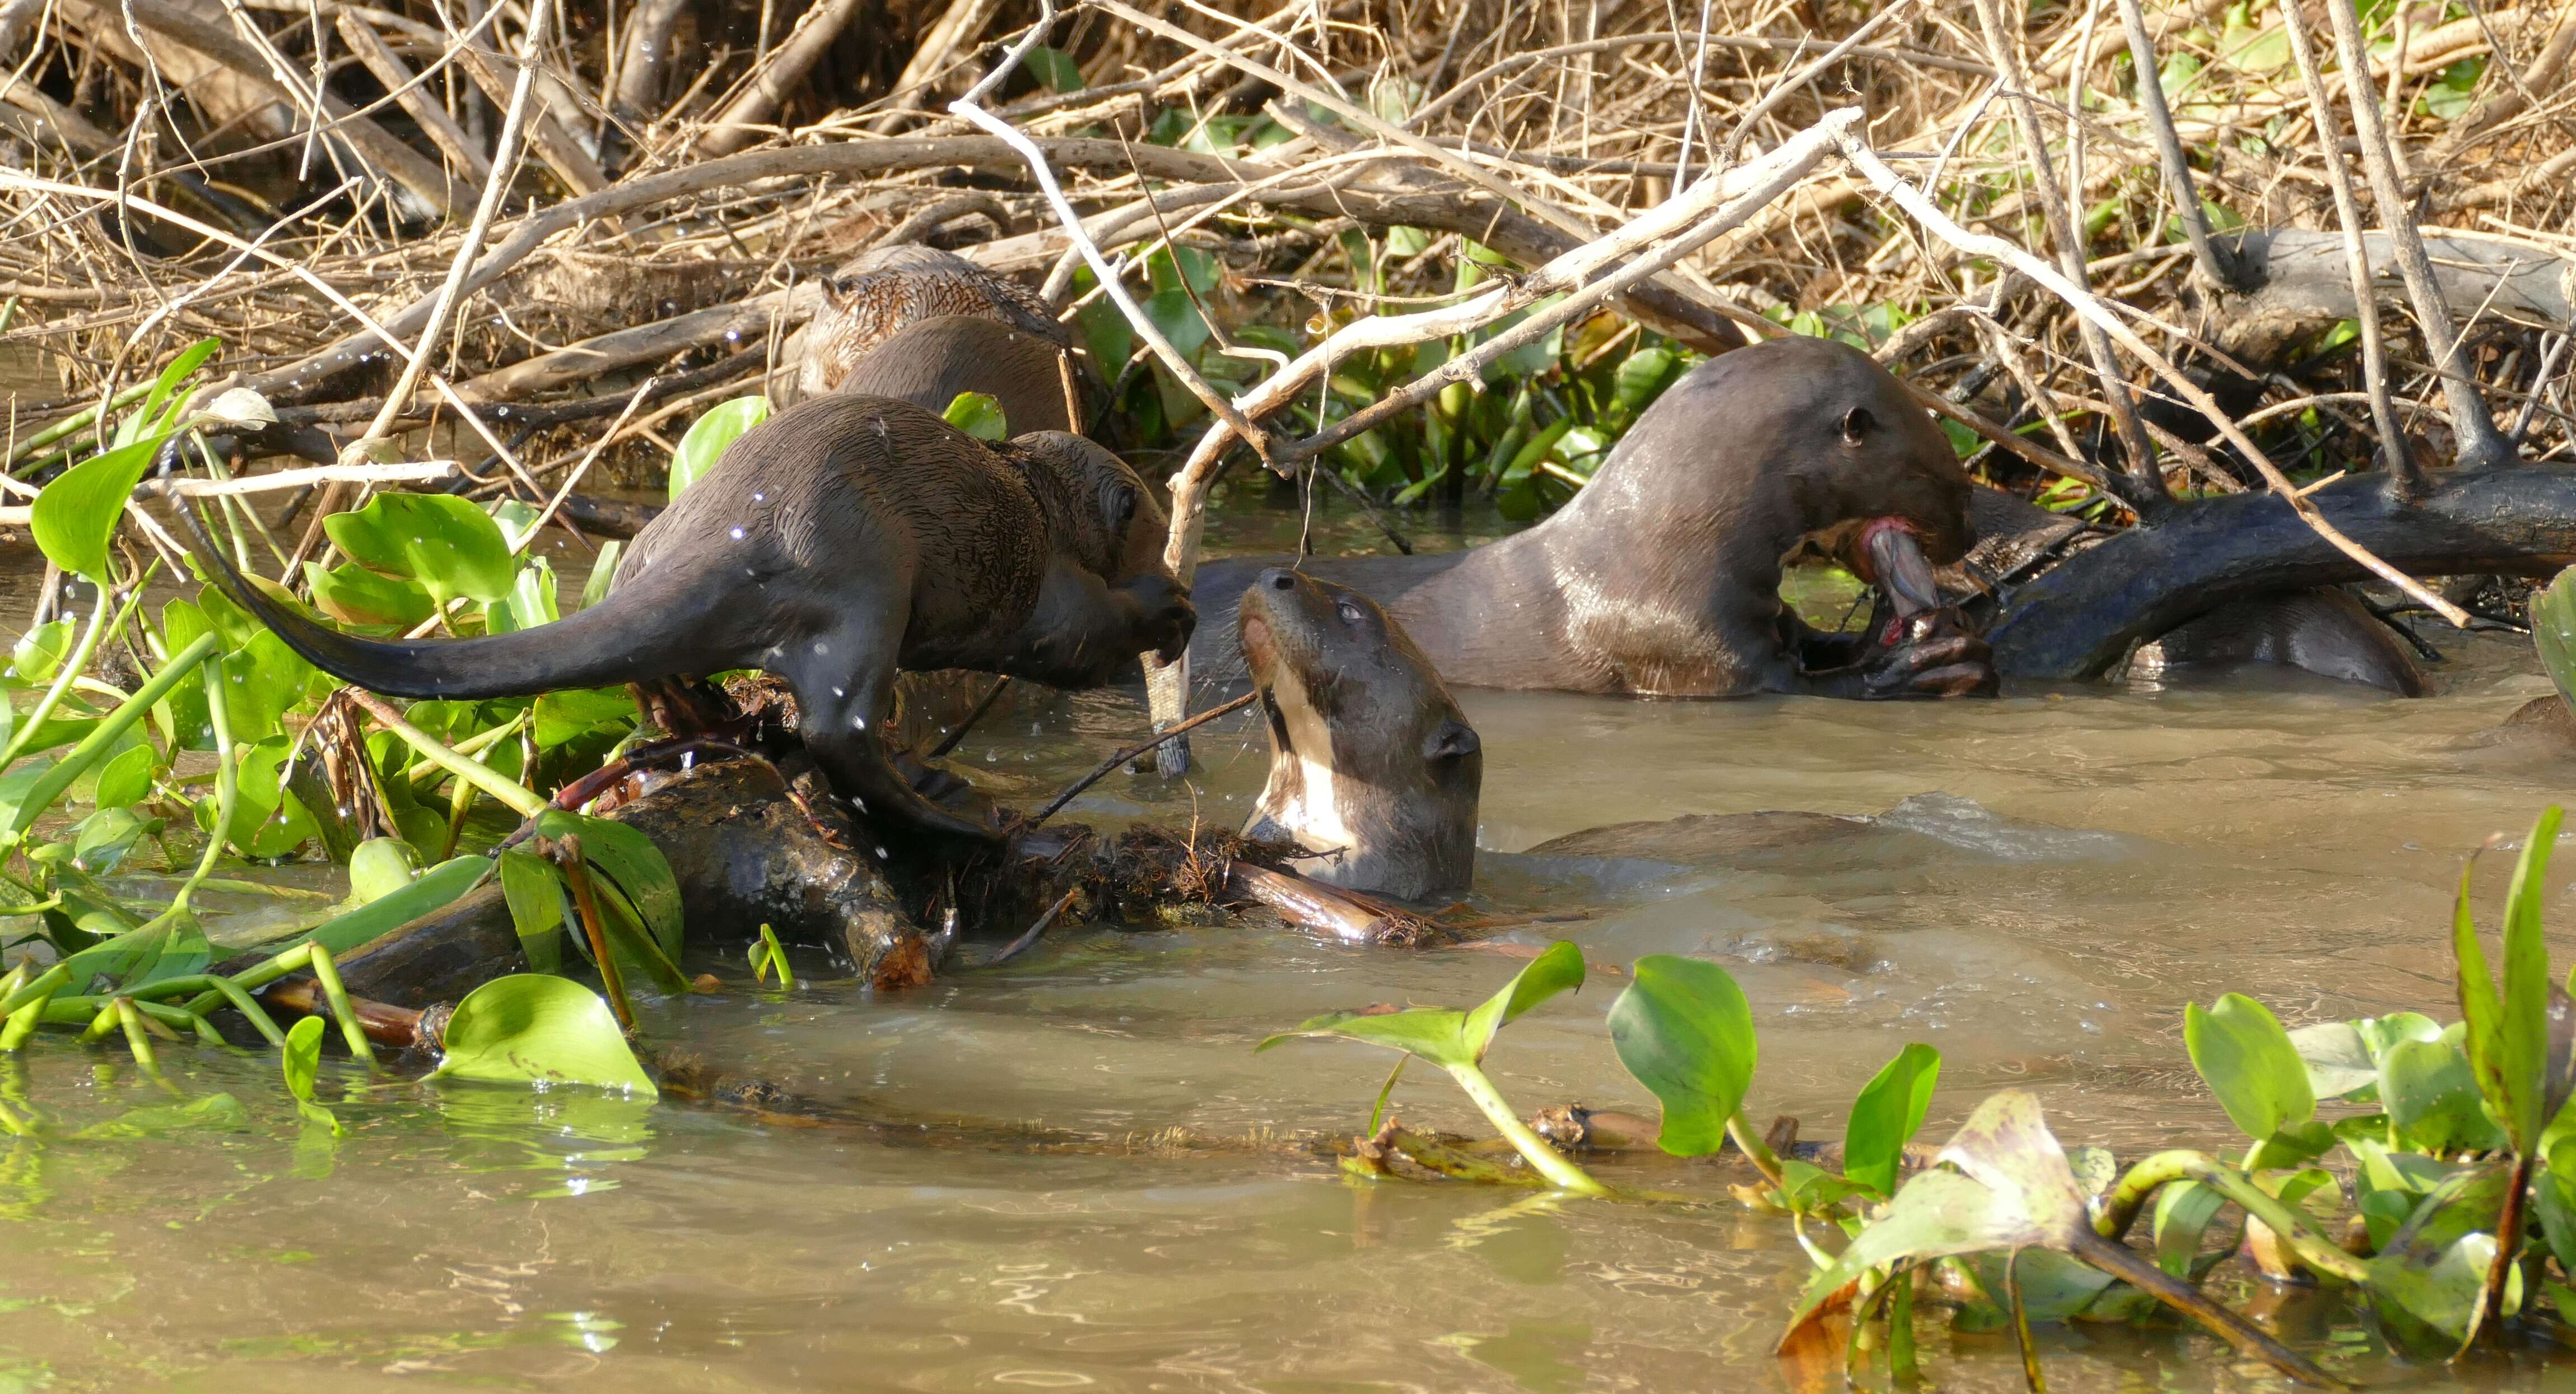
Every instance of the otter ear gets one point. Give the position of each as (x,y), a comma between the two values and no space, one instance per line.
(1857,423)
(1450,739)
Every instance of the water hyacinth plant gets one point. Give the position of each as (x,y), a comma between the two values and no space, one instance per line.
(216,729)
(2441,1197)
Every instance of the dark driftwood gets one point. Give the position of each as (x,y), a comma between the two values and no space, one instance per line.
(2084,616)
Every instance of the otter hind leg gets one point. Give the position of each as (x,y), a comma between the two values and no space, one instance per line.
(842,712)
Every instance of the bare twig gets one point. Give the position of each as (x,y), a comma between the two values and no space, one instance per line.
(2479,441)
(1924,211)
(2400,458)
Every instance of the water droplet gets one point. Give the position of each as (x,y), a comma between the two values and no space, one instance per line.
(737,534)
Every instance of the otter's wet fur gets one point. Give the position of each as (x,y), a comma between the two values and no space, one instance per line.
(872,297)
(930,362)
(1662,576)
(1373,768)
(841,540)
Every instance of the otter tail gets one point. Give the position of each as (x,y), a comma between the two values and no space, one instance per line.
(635,635)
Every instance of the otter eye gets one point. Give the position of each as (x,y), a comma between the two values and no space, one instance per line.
(1126,506)
(1351,613)
(1857,423)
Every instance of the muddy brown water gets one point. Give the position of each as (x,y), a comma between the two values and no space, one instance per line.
(2097,858)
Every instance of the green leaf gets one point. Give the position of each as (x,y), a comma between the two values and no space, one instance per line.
(2432,1098)
(1887,1113)
(531,602)
(150,414)
(1558,969)
(2183,1215)
(1055,68)
(434,889)
(704,445)
(2519,1082)
(1684,1030)
(1434,1033)
(40,652)
(1937,1214)
(448,545)
(534,889)
(530,1028)
(75,516)
(2247,1060)
(381,866)
(1173,312)
(303,1058)
(575,712)
(127,777)
(2425,1284)
(978,415)
(633,862)
(2339,1061)
(603,572)
(1643,376)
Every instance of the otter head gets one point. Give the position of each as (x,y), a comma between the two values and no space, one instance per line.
(1372,766)
(1874,478)
(1102,518)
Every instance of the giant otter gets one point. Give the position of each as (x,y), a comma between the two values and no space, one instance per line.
(2323,631)
(1662,577)
(883,289)
(1373,768)
(840,540)
(929,362)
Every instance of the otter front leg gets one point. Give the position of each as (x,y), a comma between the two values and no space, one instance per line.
(1086,632)
(1930,653)
(841,715)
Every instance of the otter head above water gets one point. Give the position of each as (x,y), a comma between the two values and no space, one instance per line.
(1372,766)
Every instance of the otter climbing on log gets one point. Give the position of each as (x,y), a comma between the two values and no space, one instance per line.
(930,362)
(835,543)
(1662,577)
(879,292)
(1373,769)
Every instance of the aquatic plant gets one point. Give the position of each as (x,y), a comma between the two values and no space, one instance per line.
(211,681)
(2461,1174)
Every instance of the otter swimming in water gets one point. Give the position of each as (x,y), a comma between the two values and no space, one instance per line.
(1662,576)
(841,540)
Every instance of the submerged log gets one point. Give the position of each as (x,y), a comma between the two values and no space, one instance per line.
(2079,619)
(746,854)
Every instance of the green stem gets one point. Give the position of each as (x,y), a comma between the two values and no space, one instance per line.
(351,1030)
(47,983)
(2130,1196)
(23,1023)
(474,744)
(521,799)
(109,729)
(74,664)
(1750,1143)
(227,782)
(137,1039)
(224,987)
(1546,1160)
(76,421)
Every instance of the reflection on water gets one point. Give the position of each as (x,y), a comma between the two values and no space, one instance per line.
(2049,878)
